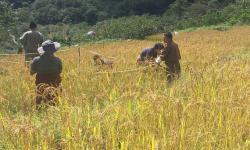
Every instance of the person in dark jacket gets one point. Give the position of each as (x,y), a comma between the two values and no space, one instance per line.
(47,68)
(149,54)
(171,55)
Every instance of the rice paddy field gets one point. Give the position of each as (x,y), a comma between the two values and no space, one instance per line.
(103,108)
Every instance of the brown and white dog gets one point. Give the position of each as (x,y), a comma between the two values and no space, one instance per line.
(98,61)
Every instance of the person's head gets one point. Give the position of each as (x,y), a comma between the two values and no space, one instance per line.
(48,47)
(168,37)
(158,47)
(33,26)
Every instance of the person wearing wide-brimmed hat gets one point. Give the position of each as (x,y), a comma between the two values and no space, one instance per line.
(47,68)
(31,40)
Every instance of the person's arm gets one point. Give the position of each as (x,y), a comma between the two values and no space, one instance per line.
(151,55)
(148,57)
(178,52)
(158,60)
(60,65)
(141,56)
(164,54)
(23,39)
(33,67)
(41,39)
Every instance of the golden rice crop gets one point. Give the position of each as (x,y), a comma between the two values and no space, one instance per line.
(207,108)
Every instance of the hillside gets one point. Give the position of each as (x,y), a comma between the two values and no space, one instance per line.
(68,21)
(76,11)
(208,107)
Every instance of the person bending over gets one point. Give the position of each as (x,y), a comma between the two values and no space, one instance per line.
(149,54)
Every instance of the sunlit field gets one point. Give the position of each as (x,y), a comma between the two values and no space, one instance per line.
(103,108)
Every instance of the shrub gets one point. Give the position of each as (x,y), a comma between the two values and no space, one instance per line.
(128,27)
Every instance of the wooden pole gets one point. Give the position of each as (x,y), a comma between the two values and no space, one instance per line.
(79,59)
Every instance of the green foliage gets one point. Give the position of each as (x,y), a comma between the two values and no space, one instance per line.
(66,34)
(67,21)
(176,18)
(76,11)
(126,28)
(6,17)
(7,22)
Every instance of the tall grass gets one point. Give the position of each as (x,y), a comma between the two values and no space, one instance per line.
(207,108)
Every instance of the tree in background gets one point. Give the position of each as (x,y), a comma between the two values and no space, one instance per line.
(7,17)
(118,18)
(91,11)
(7,23)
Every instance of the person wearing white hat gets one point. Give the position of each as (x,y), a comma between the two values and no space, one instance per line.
(47,68)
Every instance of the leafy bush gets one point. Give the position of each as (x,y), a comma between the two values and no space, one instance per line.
(128,27)
(180,15)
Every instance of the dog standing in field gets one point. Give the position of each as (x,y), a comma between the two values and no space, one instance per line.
(101,62)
